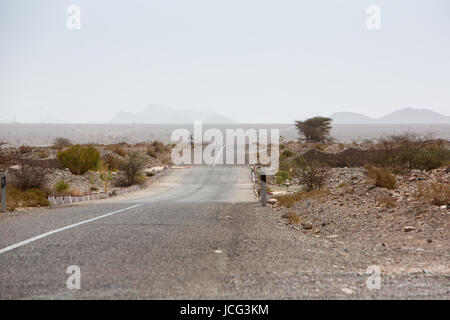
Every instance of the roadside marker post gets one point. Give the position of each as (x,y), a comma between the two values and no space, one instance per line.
(3,186)
(263,190)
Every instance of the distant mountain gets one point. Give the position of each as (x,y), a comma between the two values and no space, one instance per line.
(403,116)
(350,117)
(163,114)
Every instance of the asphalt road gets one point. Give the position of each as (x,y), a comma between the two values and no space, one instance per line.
(162,244)
(197,234)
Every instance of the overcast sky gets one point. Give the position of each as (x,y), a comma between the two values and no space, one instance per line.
(250,60)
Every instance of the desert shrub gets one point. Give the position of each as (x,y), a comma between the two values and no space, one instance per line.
(43,154)
(293,218)
(149,174)
(158,145)
(434,193)
(79,159)
(431,158)
(287,153)
(25,149)
(61,187)
(131,167)
(386,201)
(382,177)
(343,184)
(29,198)
(411,151)
(111,161)
(93,188)
(151,152)
(319,146)
(13,198)
(287,200)
(27,176)
(282,176)
(35,197)
(62,142)
(118,149)
(6,160)
(311,175)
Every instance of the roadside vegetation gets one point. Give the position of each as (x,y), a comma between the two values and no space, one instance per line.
(65,168)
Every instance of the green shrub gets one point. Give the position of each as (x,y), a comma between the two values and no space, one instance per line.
(287,153)
(79,159)
(61,187)
(382,177)
(282,176)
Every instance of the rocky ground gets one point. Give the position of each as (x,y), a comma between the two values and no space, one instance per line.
(408,234)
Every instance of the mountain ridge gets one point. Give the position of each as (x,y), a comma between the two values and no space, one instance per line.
(167,115)
(401,116)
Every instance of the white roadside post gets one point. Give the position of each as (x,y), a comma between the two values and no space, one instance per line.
(3,186)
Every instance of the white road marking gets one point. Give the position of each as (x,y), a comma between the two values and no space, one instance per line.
(220,152)
(25,242)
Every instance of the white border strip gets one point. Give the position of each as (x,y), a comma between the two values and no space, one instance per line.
(25,242)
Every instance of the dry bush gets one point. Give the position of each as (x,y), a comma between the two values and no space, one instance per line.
(387,201)
(293,218)
(288,200)
(111,161)
(131,168)
(411,151)
(61,142)
(435,193)
(25,149)
(79,159)
(27,176)
(28,198)
(13,198)
(382,177)
(313,177)
(159,147)
(35,197)
(118,149)
(43,154)
(151,152)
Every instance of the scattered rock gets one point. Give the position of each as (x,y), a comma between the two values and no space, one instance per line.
(408,228)
(272,201)
(347,291)
(307,225)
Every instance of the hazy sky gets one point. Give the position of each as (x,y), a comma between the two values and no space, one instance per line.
(251,60)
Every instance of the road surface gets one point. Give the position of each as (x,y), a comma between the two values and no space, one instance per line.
(197,234)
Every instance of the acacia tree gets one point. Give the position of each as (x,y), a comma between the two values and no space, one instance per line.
(315,129)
